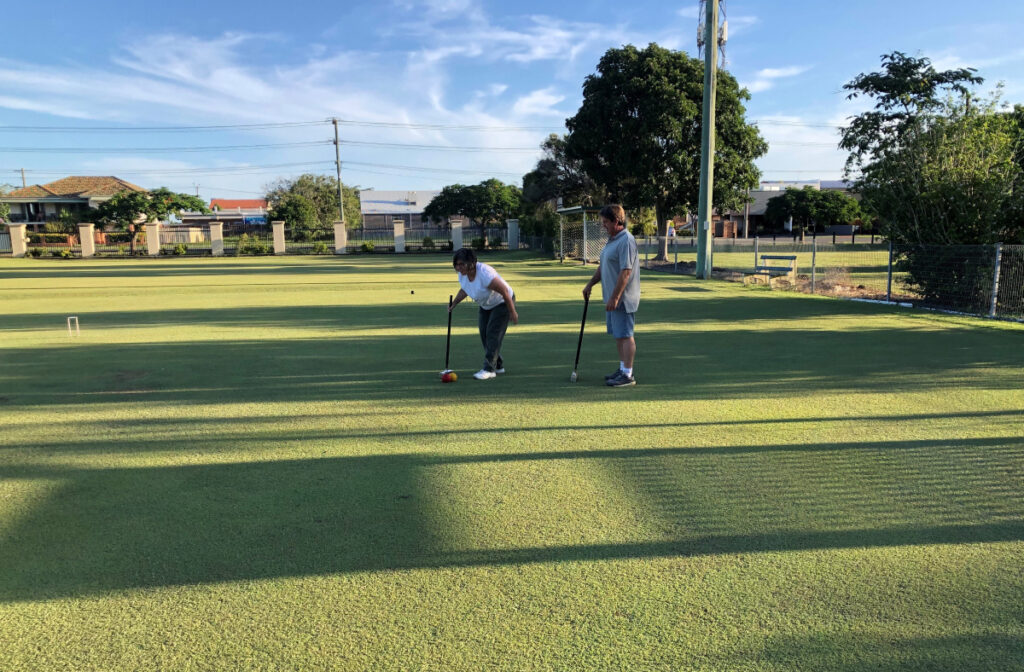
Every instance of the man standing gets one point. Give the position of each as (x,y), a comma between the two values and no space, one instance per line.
(619,275)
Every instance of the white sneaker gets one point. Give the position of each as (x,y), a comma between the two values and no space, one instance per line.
(484,374)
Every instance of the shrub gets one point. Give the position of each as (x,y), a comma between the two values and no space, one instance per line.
(366,246)
(61,254)
(180,249)
(320,247)
(428,243)
(35,252)
(478,243)
(44,238)
(249,245)
(957,277)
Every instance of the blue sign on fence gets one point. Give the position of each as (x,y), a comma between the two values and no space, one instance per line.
(259,220)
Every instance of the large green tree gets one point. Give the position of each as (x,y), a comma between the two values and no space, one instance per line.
(299,214)
(811,208)
(490,202)
(130,208)
(322,192)
(557,176)
(938,164)
(638,133)
(941,167)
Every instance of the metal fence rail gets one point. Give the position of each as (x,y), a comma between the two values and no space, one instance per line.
(985,280)
(248,239)
(53,245)
(185,241)
(302,240)
(5,243)
(428,239)
(371,240)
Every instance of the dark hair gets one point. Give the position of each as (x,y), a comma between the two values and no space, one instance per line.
(465,255)
(614,213)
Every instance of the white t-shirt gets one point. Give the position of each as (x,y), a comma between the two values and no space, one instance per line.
(477,290)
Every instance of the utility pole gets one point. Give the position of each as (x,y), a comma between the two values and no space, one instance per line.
(23,185)
(337,164)
(707,143)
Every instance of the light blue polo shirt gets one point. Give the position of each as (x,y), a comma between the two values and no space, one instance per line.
(619,253)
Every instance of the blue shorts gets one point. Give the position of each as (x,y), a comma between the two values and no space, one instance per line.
(620,323)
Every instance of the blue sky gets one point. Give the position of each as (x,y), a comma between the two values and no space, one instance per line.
(516,68)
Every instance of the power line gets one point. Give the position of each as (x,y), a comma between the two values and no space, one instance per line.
(253,169)
(443,127)
(345,122)
(801,124)
(425,169)
(225,170)
(157,129)
(271,125)
(443,148)
(115,150)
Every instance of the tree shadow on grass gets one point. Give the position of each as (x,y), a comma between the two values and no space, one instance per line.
(856,652)
(106,529)
(403,368)
(360,365)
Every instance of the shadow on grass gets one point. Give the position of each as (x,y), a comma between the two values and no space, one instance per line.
(856,652)
(791,359)
(163,267)
(144,436)
(107,529)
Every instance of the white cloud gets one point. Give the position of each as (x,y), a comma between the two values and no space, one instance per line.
(538,103)
(740,24)
(691,12)
(52,107)
(766,78)
(950,60)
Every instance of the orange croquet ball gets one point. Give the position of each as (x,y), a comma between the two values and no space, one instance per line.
(454,376)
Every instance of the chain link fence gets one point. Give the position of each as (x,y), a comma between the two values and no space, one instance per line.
(1010,292)
(985,280)
(581,240)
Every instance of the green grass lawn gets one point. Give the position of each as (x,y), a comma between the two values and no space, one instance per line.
(249,463)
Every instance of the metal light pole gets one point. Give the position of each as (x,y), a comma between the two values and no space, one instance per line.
(707,143)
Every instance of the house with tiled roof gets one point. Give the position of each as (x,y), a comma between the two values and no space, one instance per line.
(239,204)
(41,203)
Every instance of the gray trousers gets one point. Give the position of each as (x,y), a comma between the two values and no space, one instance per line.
(493,324)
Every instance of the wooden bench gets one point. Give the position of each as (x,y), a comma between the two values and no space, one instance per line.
(771,268)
